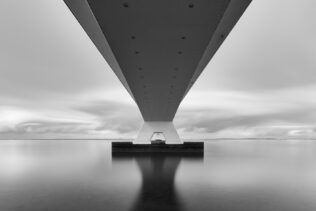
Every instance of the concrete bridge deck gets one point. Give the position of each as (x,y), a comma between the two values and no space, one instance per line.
(157,48)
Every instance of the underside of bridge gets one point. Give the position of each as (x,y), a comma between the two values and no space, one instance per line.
(157,48)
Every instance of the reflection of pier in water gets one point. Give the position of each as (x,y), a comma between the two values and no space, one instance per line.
(158,171)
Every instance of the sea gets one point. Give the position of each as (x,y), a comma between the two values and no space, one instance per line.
(231,175)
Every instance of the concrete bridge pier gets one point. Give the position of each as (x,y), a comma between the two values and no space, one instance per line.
(165,128)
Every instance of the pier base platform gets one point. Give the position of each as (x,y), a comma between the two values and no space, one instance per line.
(186,147)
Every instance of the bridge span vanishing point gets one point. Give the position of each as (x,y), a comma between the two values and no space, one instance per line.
(158,49)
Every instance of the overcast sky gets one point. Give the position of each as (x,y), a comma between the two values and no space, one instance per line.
(54,83)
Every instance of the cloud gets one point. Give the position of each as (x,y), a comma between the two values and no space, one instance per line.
(249,114)
(81,117)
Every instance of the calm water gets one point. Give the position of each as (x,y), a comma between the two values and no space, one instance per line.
(233,175)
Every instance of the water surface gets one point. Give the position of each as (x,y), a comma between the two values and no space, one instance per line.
(233,175)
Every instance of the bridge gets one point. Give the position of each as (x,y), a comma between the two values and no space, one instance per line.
(157,49)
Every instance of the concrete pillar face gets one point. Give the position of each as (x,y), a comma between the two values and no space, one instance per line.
(149,128)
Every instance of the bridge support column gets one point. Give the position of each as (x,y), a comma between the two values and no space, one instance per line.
(151,127)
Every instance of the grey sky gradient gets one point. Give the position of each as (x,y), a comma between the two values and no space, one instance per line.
(55,84)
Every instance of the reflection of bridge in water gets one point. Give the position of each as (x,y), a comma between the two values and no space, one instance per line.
(158,191)
(157,49)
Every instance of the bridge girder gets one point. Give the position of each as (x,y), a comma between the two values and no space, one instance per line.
(157,48)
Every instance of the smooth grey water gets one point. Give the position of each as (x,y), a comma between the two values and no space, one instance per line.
(259,175)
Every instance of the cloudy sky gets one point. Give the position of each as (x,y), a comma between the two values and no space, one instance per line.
(55,84)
